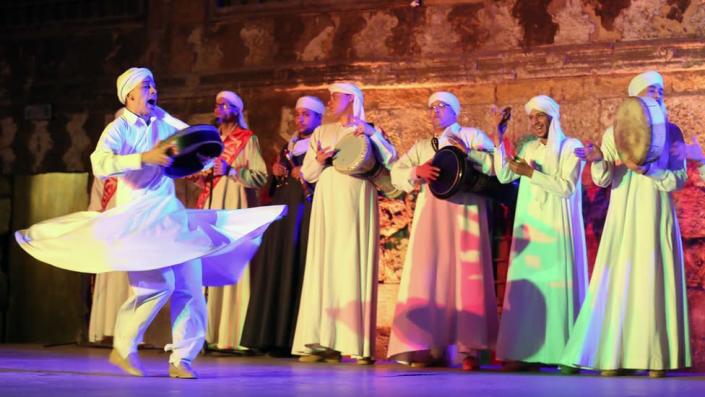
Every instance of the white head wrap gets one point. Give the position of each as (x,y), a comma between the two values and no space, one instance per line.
(447,98)
(130,79)
(358,101)
(234,100)
(311,103)
(642,81)
(546,104)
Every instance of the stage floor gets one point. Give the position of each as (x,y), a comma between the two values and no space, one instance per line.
(31,370)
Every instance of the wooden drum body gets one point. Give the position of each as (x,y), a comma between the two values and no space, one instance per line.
(197,146)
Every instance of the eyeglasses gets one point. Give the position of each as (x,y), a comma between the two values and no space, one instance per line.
(223,106)
(438,107)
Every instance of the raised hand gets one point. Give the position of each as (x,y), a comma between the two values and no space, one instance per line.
(279,170)
(161,154)
(322,155)
(589,153)
(521,167)
(694,151)
(427,172)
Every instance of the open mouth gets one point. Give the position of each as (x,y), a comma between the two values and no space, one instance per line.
(152,102)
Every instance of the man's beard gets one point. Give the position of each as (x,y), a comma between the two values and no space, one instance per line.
(226,120)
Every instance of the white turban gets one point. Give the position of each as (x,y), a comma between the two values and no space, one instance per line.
(234,100)
(358,98)
(546,104)
(447,98)
(130,79)
(311,103)
(644,80)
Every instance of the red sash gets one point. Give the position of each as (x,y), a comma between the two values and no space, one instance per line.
(233,144)
(109,188)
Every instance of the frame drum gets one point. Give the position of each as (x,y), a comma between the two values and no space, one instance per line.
(356,156)
(197,145)
(640,130)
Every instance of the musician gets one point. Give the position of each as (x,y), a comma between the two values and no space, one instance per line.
(635,314)
(280,261)
(168,251)
(337,314)
(231,183)
(446,302)
(547,275)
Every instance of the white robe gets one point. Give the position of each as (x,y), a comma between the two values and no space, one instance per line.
(227,306)
(339,293)
(547,276)
(635,314)
(446,299)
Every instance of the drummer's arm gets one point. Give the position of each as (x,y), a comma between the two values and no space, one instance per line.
(501,165)
(567,179)
(254,173)
(311,169)
(480,153)
(603,171)
(404,170)
(105,162)
(385,148)
(667,180)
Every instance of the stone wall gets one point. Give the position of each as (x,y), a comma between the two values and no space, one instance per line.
(581,52)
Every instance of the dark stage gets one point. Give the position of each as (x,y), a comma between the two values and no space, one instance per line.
(32,370)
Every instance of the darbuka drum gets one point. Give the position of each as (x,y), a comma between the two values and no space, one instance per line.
(458,175)
(355,155)
(640,130)
(196,146)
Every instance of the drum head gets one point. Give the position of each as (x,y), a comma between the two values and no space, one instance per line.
(639,131)
(353,155)
(197,145)
(451,162)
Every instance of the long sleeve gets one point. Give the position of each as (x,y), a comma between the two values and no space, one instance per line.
(105,162)
(701,170)
(385,148)
(603,171)
(480,153)
(251,168)
(404,170)
(668,180)
(311,169)
(565,181)
(501,165)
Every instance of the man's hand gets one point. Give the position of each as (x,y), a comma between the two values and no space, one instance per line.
(521,167)
(296,173)
(362,127)
(457,142)
(590,153)
(495,116)
(427,172)
(160,154)
(694,151)
(636,168)
(279,170)
(220,167)
(322,155)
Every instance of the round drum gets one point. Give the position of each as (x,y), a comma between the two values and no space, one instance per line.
(458,175)
(455,173)
(640,130)
(197,146)
(354,155)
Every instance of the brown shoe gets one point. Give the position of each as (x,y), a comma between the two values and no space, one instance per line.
(657,373)
(130,364)
(182,371)
(332,357)
(310,358)
(365,361)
